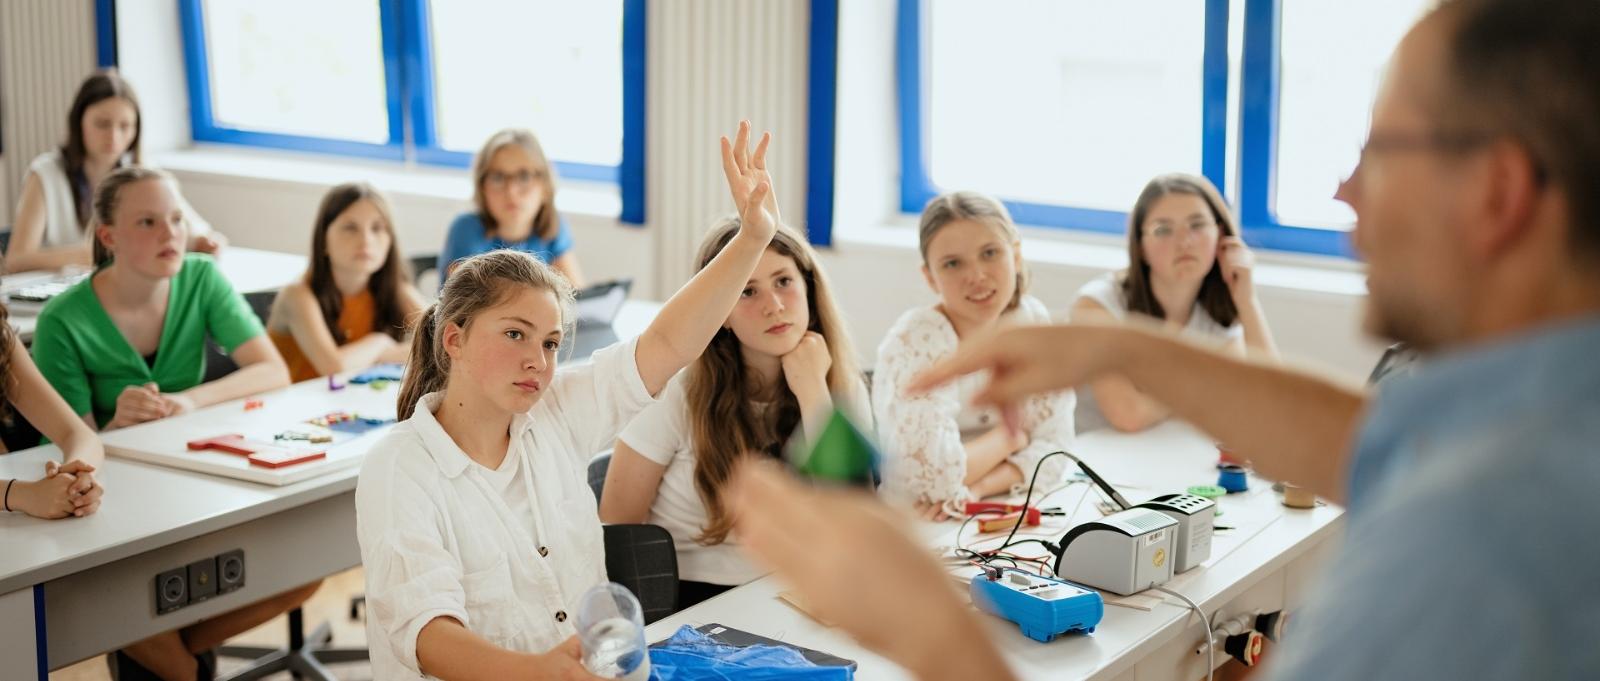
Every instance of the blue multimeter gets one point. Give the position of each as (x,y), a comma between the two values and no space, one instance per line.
(1044,607)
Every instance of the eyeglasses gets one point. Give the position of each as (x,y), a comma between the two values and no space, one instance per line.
(1456,142)
(1164,232)
(521,178)
(1444,142)
(1436,141)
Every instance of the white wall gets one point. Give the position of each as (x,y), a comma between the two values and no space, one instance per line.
(711,62)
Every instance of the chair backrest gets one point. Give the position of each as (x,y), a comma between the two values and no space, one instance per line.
(425,274)
(597,473)
(218,363)
(643,559)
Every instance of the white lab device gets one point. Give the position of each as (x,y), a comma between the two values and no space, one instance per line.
(1124,553)
(1196,516)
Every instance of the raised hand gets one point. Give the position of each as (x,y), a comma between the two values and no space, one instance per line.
(750,184)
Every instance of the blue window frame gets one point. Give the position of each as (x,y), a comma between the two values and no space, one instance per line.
(407,64)
(1259,74)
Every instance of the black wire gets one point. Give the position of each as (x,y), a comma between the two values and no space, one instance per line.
(1028,498)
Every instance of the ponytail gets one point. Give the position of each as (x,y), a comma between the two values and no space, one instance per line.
(428,366)
(476,283)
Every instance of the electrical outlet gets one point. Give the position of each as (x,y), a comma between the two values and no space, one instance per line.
(230,571)
(172,590)
(202,579)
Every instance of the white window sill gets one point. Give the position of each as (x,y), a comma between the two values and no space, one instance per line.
(1047,247)
(598,199)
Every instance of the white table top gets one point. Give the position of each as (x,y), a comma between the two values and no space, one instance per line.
(144,507)
(249,269)
(1168,458)
(149,506)
(165,442)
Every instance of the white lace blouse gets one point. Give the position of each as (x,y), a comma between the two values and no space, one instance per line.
(922,437)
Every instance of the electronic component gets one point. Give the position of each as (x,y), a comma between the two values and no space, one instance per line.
(1043,607)
(1196,517)
(1124,553)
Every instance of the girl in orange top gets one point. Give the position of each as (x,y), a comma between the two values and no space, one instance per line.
(352,307)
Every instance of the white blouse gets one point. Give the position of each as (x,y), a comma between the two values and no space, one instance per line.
(1107,291)
(61,226)
(662,434)
(924,456)
(439,539)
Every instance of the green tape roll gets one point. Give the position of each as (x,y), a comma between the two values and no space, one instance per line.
(1208,491)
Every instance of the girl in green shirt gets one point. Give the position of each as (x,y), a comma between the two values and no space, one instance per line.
(127,345)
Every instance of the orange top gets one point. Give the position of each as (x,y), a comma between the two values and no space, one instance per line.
(355,319)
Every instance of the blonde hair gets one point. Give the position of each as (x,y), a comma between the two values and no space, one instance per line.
(108,196)
(977,207)
(546,221)
(723,424)
(477,283)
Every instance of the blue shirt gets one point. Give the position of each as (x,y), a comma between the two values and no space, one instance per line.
(468,237)
(1471,550)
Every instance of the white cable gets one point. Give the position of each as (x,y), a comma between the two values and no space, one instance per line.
(1211,643)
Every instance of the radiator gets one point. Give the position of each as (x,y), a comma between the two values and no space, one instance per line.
(47,47)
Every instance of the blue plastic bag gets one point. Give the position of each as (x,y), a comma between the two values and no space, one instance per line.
(691,656)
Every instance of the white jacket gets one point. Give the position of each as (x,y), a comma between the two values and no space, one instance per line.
(437,540)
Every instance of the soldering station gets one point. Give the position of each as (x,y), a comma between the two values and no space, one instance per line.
(1137,547)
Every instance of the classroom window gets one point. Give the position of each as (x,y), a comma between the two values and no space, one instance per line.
(1065,109)
(424,81)
(1076,103)
(512,65)
(1333,55)
(279,73)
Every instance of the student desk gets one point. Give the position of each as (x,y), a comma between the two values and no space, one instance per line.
(250,270)
(71,589)
(1266,571)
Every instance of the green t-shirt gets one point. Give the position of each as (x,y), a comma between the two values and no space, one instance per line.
(83,355)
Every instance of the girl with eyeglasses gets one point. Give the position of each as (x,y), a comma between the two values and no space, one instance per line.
(1189,270)
(514,193)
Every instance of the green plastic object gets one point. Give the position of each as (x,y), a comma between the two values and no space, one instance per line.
(841,454)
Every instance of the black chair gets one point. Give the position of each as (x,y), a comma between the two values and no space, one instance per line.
(643,559)
(303,658)
(597,473)
(218,363)
(420,266)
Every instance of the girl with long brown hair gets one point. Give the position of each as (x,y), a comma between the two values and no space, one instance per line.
(1188,269)
(55,211)
(778,364)
(353,305)
(478,530)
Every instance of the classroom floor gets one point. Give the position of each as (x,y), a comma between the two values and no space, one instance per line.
(330,604)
